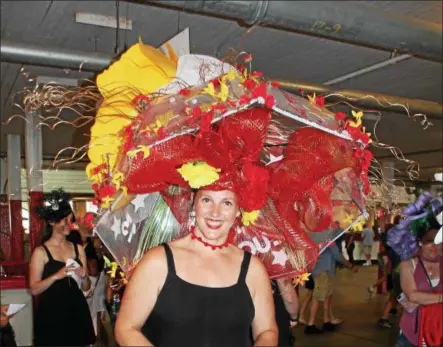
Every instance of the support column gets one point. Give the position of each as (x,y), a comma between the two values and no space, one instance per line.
(15,201)
(34,175)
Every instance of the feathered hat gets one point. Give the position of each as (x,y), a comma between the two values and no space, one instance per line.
(55,206)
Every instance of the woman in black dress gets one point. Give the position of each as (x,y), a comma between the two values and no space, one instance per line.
(199,290)
(62,317)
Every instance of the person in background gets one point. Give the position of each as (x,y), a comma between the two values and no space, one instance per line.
(393,260)
(368,242)
(286,310)
(96,295)
(7,335)
(323,273)
(350,245)
(421,282)
(62,317)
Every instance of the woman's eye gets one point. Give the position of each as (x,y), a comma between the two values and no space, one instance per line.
(228,203)
(205,200)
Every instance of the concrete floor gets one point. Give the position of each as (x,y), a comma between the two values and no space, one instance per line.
(360,314)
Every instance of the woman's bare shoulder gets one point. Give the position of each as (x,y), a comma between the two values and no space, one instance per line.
(408,263)
(39,251)
(153,258)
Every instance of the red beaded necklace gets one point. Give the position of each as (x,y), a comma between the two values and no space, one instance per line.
(207,244)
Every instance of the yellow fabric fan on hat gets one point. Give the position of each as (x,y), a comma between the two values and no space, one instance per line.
(140,70)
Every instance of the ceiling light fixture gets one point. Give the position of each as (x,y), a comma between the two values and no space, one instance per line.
(102,21)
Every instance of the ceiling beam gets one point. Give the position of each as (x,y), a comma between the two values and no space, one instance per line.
(31,54)
(345,21)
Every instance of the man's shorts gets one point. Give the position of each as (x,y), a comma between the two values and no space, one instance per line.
(323,286)
(367,250)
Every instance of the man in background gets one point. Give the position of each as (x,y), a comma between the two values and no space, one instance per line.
(323,275)
(368,242)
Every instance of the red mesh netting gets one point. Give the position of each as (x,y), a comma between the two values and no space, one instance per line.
(303,181)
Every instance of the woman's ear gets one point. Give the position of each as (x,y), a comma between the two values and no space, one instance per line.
(238,213)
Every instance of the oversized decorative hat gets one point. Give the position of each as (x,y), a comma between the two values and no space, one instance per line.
(426,213)
(166,127)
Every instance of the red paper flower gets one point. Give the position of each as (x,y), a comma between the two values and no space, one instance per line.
(247,58)
(270,101)
(340,116)
(260,91)
(320,100)
(256,74)
(249,84)
(205,121)
(275,84)
(184,92)
(141,101)
(196,112)
(97,169)
(253,192)
(105,191)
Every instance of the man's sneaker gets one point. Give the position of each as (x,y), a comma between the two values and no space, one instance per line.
(371,292)
(384,323)
(312,329)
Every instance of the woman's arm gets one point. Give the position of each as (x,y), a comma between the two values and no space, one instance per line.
(36,284)
(83,271)
(410,289)
(290,297)
(140,297)
(264,326)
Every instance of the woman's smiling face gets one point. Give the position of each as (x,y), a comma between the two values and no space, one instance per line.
(215,213)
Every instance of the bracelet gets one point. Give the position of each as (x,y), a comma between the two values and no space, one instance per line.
(293,320)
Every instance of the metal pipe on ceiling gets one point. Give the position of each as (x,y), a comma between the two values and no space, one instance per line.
(344,21)
(369,100)
(31,54)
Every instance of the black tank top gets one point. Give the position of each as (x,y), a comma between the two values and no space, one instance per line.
(187,314)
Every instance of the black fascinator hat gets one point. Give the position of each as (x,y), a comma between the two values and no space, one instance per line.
(55,207)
